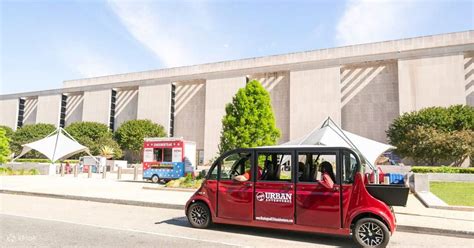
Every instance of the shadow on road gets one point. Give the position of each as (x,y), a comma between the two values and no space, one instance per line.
(323,239)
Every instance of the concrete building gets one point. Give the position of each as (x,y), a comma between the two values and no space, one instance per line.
(362,87)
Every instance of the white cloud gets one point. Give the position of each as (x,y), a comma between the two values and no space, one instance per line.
(173,32)
(86,62)
(366,21)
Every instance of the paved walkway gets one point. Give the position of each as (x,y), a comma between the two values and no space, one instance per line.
(415,217)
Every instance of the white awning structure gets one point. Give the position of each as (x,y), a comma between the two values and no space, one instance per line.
(329,134)
(56,146)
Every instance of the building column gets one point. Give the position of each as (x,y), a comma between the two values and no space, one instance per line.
(49,108)
(154,103)
(219,92)
(314,95)
(9,112)
(96,106)
(432,81)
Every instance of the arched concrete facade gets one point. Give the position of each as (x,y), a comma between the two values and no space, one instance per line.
(362,87)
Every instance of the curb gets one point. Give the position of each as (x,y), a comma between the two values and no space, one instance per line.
(169,189)
(436,231)
(96,199)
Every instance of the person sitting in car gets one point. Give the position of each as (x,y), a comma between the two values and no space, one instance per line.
(327,175)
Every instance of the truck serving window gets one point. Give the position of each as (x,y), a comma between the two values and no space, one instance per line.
(168,155)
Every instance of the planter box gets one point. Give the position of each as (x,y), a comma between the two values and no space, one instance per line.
(392,195)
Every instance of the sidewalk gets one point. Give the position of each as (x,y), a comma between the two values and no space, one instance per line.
(413,218)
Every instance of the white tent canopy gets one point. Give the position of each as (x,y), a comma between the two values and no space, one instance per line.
(55,146)
(329,134)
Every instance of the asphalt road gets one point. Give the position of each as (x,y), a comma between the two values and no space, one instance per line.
(27,221)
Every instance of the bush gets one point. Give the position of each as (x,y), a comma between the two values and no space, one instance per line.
(249,120)
(185,182)
(28,134)
(44,160)
(94,135)
(4,147)
(436,134)
(10,172)
(131,134)
(441,169)
(8,131)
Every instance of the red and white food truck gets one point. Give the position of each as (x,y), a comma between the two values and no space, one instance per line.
(168,158)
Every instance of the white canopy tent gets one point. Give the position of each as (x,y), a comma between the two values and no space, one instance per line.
(56,146)
(329,134)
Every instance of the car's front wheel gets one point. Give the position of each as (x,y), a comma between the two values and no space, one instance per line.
(371,232)
(199,215)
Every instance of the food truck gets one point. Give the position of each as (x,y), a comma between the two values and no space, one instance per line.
(168,158)
(310,188)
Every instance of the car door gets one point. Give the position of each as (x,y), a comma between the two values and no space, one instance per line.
(235,198)
(274,189)
(317,204)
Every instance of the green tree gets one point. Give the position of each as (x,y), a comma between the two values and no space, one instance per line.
(130,134)
(249,119)
(4,147)
(94,135)
(29,133)
(436,134)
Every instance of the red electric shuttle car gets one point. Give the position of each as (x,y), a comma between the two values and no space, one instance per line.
(303,188)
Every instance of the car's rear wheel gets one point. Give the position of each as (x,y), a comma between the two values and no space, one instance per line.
(155,179)
(370,232)
(199,215)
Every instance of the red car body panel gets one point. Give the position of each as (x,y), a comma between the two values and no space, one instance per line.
(301,206)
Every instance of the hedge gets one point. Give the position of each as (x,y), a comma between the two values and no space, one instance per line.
(43,160)
(442,169)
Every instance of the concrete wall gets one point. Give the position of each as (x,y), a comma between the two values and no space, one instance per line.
(154,103)
(431,81)
(9,112)
(29,114)
(369,98)
(469,78)
(126,106)
(219,92)
(314,95)
(49,109)
(96,106)
(190,111)
(278,85)
(74,108)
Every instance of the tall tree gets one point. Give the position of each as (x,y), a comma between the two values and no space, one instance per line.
(249,119)
(130,134)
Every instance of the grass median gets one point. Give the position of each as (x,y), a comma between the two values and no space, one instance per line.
(454,193)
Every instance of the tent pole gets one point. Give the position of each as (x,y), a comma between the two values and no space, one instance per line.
(55,145)
(355,147)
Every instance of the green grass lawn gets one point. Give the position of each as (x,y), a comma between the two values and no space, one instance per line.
(454,193)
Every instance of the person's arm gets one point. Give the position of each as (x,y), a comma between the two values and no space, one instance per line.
(327,181)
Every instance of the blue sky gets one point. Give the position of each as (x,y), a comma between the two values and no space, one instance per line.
(46,42)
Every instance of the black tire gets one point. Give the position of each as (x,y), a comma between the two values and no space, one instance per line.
(370,232)
(155,179)
(199,215)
